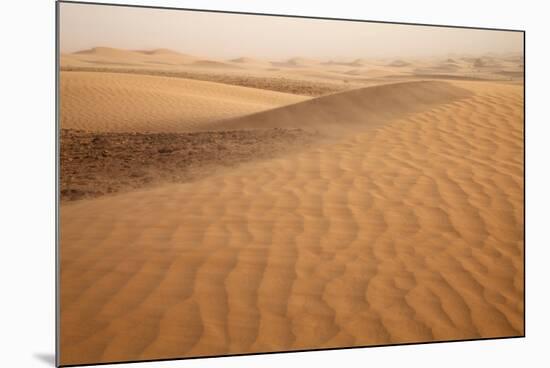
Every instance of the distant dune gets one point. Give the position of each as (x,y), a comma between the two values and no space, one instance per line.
(356,73)
(251,62)
(298,62)
(359,62)
(107,51)
(486,62)
(399,63)
(160,52)
(214,64)
(107,55)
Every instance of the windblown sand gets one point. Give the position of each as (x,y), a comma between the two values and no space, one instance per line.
(402,223)
(100,163)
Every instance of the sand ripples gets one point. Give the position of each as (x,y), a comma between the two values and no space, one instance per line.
(411,230)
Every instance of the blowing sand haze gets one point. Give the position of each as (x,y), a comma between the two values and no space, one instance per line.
(257,191)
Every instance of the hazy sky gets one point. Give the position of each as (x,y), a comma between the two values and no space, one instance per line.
(224,36)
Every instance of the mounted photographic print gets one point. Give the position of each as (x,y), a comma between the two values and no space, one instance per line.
(235,183)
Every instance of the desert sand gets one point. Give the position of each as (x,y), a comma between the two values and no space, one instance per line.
(387,208)
(122,102)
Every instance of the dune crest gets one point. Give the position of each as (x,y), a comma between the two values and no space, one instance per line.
(357,108)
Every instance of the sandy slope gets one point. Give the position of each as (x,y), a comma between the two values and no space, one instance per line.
(407,230)
(339,113)
(121,102)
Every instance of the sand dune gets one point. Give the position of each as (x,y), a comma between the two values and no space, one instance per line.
(286,82)
(355,63)
(252,62)
(108,55)
(160,52)
(108,52)
(214,64)
(444,66)
(297,62)
(296,75)
(399,63)
(166,58)
(408,229)
(119,102)
(356,109)
(114,56)
(94,164)
(359,62)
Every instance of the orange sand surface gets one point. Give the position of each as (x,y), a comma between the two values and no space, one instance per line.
(404,223)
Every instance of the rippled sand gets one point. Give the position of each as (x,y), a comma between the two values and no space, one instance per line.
(406,225)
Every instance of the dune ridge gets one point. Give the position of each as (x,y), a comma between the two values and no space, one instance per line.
(358,108)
